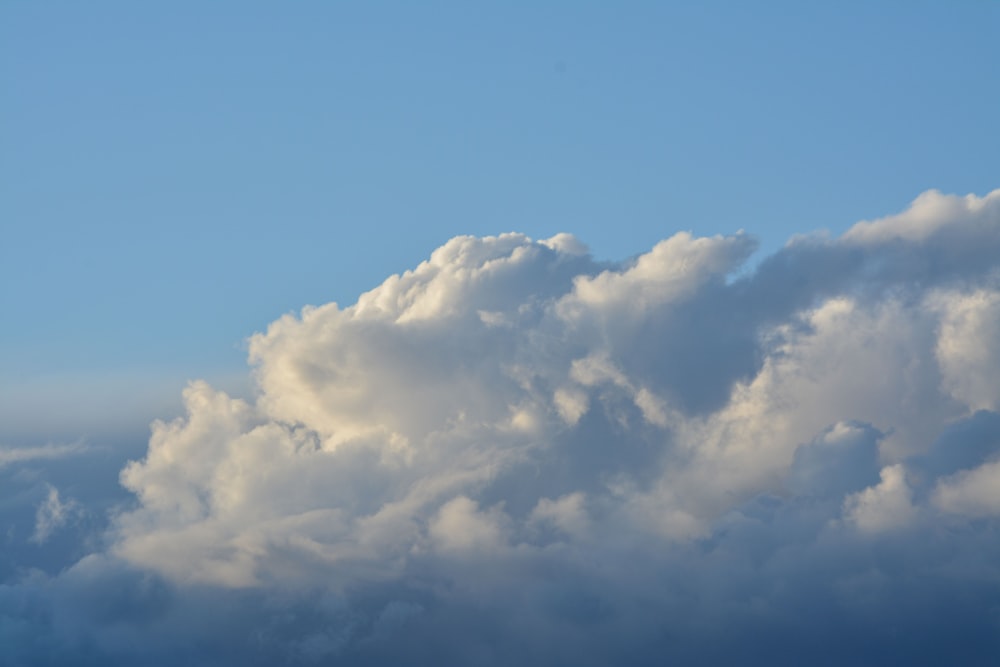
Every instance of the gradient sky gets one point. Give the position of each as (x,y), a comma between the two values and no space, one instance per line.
(173,176)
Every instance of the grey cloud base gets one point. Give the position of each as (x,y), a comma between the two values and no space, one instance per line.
(516,454)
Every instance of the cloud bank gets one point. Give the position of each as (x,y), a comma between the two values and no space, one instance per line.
(515,453)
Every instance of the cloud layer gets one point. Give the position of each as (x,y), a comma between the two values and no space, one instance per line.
(514,453)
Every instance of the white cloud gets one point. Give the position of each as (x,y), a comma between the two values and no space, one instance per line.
(932,213)
(514,438)
(670,272)
(974,493)
(968,347)
(460,526)
(568,514)
(53,514)
(12,455)
(522,377)
(886,506)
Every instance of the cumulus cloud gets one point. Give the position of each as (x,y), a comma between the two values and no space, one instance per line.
(515,453)
(882,507)
(973,492)
(966,349)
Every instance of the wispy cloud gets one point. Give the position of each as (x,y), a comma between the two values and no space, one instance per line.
(12,455)
(52,514)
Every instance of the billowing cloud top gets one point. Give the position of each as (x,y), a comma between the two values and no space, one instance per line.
(516,453)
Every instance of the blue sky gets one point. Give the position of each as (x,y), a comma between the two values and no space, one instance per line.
(176,175)
(690,444)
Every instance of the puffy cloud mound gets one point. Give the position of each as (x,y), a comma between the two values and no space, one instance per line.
(515,453)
